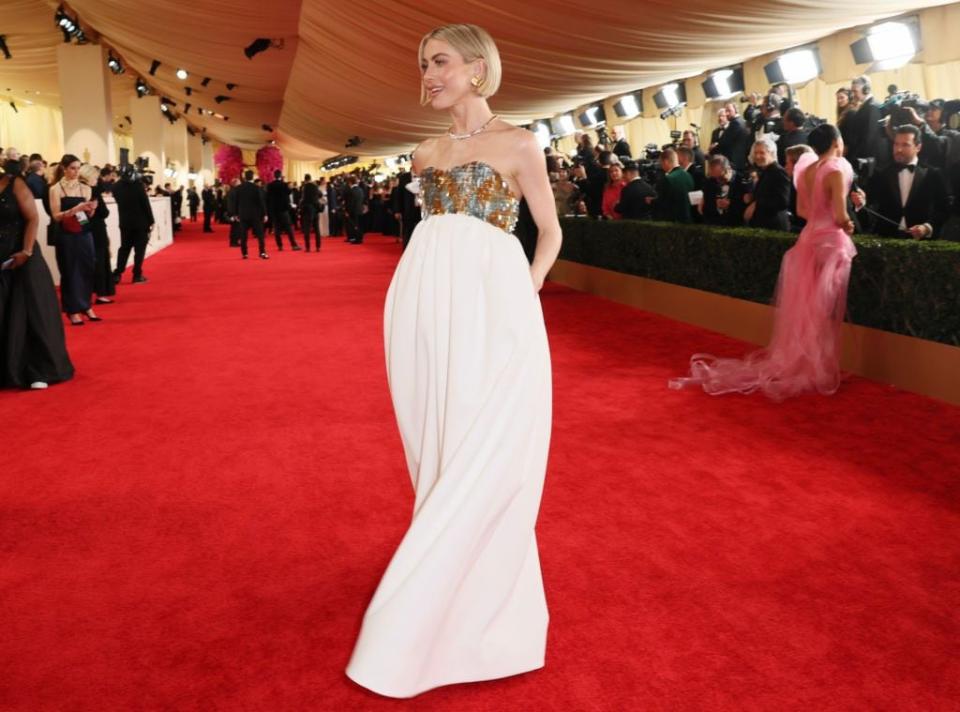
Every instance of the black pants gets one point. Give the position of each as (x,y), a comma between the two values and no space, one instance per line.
(257,227)
(103,283)
(136,240)
(282,224)
(353,228)
(193,214)
(310,220)
(207,216)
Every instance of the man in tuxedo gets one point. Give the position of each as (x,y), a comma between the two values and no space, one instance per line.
(353,210)
(620,146)
(310,211)
(405,208)
(251,207)
(136,222)
(718,132)
(209,199)
(633,203)
(768,205)
(690,141)
(793,133)
(865,131)
(734,142)
(334,208)
(910,199)
(687,161)
(672,202)
(278,203)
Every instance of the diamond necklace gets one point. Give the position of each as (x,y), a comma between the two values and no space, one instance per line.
(460,137)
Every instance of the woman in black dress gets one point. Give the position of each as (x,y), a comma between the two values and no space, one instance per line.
(72,207)
(103,282)
(33,352)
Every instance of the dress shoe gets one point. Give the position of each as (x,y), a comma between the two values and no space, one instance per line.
(38,385)
(264,256)
(296,248)
(139,280)
(245,256)
(116,278)
(104,300)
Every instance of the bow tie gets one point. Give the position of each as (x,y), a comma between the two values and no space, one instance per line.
(911,167)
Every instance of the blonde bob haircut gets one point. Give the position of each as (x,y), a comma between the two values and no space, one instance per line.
(472,43)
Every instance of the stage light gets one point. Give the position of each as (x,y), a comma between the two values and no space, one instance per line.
(154,66)
(675,110)
(129,120)
(628,106)
(796,67)
(353,142)
(724,83)
(889,45)
(261,44)
(562,125)
(115,65)
(186,108)
(182,74)
(14,107)
(267,127)
(671,95)
(163,107)
(231,86)
(592,117)
(64,22)
(541,129)
(142,88)
(206,80)
(188,90)
(220,98)
(192,131)
(4,48)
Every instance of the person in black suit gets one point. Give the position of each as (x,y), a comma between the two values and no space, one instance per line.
(793,133)
(136,222)
(334,209)
(910,199)
(620,148)
(405,208)
(633,204)
(209,206)
(722,194)
(863,127)
(687,160)
(768,204)
(691,141)
(310,211)
(353,210)
(251,206)
(278,205)
(718,132)
(193,203)
(735,141)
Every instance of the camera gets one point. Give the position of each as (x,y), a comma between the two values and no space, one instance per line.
(134,172)
(896,106)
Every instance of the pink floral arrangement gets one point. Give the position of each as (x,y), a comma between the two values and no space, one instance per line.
(269,159)
(229,163)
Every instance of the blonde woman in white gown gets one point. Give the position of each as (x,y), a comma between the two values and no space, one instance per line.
(324,219)
(468,367)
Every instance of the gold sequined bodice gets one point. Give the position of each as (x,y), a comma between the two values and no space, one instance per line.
(474,188)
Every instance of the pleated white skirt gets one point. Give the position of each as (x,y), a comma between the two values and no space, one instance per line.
(468,366)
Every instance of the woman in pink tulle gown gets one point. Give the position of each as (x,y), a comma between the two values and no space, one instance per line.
(811,295)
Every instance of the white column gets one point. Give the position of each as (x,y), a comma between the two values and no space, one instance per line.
(175,143)
(195,159)
(148,123)
(206,164)
(85,101)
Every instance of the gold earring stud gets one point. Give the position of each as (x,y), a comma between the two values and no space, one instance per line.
(476,81)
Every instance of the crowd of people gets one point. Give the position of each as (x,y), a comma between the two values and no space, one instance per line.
(905,157)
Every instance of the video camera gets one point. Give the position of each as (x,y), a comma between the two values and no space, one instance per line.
(895,106)
(137,172)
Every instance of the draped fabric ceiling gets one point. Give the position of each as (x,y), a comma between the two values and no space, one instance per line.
(349,69)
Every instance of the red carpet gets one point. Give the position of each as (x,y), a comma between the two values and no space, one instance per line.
(199,519)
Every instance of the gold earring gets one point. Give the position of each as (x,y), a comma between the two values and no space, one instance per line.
(476,81)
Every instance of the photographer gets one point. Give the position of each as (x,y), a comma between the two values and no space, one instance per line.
(768,203)
(136,222)
(734,142)
(905,199)
(793,133)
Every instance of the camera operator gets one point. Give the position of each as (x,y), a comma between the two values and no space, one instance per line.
(672,201)
(905,199)
(770,122)
(722,194)
(136,222)
(768,203)
(864,128)
(734,143)
(794,133)
(751,112)
(940,144)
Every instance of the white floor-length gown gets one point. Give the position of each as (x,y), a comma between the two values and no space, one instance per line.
(468,366)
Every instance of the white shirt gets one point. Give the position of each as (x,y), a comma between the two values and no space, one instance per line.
(906,183)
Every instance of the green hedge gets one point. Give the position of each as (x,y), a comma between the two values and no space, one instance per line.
(904,286)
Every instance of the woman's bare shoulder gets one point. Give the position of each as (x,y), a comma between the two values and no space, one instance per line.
(424,153)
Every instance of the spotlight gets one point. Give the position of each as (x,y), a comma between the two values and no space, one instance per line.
(192,131)
(889,45)
(675,110)
(64,22)
(188,90)
(14,107)
(724,83)
(795,67)
(562,125)
(671,95)
(115,65)
(163,107)
(142,88)
(168,102)
(267,127)
(231,86)
(206,80)
(626,107)
(4,48)
(593,116)
(186,108)
(129,120)
(154,66)
(261,44)
(353,142)
(182,74)
(220,98)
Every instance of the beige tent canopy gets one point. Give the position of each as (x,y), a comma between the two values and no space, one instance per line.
(349,69)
